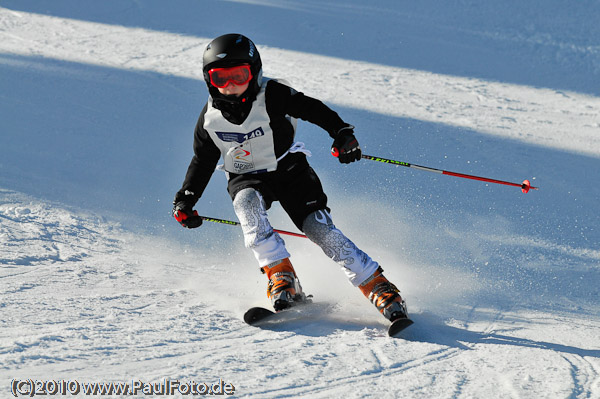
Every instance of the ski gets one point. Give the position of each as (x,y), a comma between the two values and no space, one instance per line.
(398,325)
(259,315)
(255,315)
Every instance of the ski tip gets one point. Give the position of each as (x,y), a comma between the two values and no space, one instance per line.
(398,325)
(255,315)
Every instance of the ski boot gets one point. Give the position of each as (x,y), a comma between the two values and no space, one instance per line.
(385,296)
(284,288)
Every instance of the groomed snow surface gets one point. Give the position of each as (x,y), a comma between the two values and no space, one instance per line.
(98,283)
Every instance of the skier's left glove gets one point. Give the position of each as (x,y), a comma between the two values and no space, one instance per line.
(345,146)
(183,212)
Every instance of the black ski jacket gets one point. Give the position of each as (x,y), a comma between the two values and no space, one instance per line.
(281,100)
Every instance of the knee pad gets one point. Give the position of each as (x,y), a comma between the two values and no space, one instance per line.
(250,208)
(319,228)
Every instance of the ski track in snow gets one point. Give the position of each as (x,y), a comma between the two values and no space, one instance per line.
(113,306)
(82,297)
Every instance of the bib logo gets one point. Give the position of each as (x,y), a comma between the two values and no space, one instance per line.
(229,137)
(242,159)
(240,153)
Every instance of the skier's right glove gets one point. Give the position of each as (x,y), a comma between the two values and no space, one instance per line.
(183,212)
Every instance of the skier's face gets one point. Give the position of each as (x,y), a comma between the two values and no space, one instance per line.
(234,89)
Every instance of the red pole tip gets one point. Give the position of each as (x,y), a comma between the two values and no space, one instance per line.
(525,186)
(335,152)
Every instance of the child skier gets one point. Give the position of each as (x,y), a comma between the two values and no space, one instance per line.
(250,122)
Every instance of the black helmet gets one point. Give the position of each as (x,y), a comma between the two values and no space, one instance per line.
(231,50)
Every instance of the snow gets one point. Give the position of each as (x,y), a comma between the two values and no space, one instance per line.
(98,283)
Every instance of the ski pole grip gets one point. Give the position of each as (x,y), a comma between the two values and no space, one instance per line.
(335,152)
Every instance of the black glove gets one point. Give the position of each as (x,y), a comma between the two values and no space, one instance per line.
(345,146)
(183,212)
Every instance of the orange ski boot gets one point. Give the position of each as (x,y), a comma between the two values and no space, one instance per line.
(284,288)
(385,296)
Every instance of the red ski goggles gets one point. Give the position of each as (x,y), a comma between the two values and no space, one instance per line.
(238,75)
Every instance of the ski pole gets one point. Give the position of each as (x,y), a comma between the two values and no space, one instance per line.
(525,186)
(232,223)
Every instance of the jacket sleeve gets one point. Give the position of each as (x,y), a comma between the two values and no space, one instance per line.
(202,166)
(291,102)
